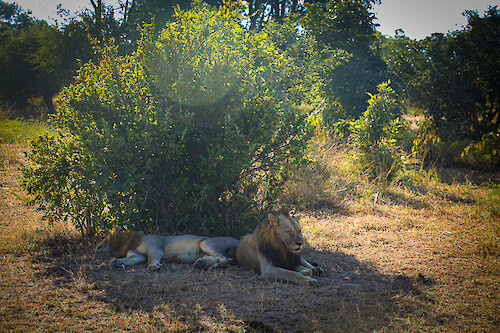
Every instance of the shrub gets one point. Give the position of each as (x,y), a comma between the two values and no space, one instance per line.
(188,133)
(375,135)
(63,183)
(484,154)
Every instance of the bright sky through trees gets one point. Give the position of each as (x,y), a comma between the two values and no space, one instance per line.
(421,18)
(418,18)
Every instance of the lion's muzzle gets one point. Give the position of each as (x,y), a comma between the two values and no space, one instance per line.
(298,247)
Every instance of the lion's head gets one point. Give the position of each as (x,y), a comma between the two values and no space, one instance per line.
(280,239)
(118,243)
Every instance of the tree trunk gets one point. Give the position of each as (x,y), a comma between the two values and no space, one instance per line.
(276,10)
(98,18)
(252,14)
(47,98)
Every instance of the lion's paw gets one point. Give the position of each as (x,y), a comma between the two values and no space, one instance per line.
(317,271)
(155,267)
(306,272)
(312,282)
(115,263)
(200,264)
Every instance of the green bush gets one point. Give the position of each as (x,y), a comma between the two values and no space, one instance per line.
(63,183)
(377,134)
(189,133)
(484,154)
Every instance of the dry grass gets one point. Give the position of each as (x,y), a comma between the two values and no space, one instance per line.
(408,261)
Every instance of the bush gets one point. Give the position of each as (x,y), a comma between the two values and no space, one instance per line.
(484,154)
(376,135)
(188,133)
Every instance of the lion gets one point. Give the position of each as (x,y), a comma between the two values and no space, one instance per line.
(274,250)
(133,247)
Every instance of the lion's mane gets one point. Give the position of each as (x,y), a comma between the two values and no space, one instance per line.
(122,242)
(272,247)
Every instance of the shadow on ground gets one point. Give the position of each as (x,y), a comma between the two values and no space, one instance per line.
(351,296)
(463,176)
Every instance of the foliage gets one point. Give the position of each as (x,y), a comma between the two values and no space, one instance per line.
(310,64)
(453,77)
(375,135)
(350,26)
(159,11)
(36,59)
(13,15)
(193,131)
(478,44)
(405,61)
(484,154)
(60,183)
(425,139)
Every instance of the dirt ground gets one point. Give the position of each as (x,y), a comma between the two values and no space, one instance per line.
(406,263)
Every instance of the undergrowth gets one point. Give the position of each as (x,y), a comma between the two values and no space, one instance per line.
(491,244)
(334,181)
(20,131)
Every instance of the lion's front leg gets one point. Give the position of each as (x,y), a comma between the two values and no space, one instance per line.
(309,269)
(288,276)
(267,270)
(132,258)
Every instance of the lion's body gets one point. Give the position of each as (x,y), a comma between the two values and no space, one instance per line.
(274,250)
(133,247)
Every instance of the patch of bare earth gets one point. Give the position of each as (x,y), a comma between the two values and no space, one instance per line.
(401,265)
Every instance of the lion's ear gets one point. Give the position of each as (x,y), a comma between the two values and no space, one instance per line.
(116,229)
(284,211)
(273,220)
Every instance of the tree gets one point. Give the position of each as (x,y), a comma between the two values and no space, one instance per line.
(13,16)
(261,12)
(347,25)
(454,77)
(28,53)
(479,46)
(405,61)
(189,132)
(36,58)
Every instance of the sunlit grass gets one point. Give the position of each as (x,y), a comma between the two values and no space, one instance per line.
(20,131)
(334,183)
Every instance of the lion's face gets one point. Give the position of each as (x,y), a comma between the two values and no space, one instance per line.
(287,231)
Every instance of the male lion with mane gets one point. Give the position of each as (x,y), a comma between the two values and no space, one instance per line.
(133,247)
(274,250)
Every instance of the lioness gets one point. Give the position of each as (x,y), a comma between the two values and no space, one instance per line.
(132,247)
(274,250)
